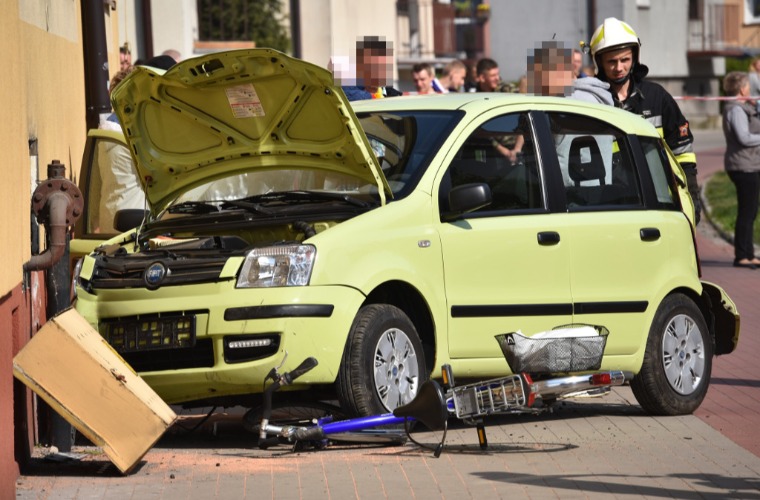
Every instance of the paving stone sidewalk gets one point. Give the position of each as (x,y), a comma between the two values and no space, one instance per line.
(601,448)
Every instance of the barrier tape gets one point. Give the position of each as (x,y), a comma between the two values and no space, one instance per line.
(681,97)
(713,98)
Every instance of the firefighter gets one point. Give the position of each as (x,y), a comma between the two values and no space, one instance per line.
(615,50)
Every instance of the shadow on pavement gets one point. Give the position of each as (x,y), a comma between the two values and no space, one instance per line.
(589,485)
(87,467)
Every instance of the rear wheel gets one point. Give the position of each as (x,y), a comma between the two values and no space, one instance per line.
(678,360)
(383,365)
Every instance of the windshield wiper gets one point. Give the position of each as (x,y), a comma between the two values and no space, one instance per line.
(247,205)
(307,196)
(193,207)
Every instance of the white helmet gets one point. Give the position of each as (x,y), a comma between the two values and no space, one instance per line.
(613,34)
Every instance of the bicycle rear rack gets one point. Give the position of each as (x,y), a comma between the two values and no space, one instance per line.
(502,395)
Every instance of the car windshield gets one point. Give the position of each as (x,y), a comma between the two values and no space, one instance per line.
(404,143)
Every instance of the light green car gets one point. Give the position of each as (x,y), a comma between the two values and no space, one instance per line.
(388,237)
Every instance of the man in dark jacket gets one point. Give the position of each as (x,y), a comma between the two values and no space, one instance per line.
(615,50)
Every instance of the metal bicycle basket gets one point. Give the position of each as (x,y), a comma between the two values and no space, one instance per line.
(566,348)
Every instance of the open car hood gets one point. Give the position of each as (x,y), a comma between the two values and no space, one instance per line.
(234,112)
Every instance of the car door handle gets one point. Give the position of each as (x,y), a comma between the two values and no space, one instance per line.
(548,238)
(649,234)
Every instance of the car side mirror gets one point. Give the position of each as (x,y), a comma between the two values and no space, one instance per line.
(128,218)
(467,198)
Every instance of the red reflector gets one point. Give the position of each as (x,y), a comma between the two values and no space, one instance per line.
(530,396)
(601,379)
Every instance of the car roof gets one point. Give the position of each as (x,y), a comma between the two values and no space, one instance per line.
(479,102)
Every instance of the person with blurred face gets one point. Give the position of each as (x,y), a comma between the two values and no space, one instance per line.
(550,71)
(422,76)
(374,67)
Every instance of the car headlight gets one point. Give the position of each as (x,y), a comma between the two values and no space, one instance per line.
(286,265)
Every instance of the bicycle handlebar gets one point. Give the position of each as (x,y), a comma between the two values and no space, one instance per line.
(286,378)
(306,365)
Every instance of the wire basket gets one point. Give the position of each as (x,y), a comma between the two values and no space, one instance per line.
(554,354)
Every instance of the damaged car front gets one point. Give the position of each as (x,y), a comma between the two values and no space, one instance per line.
(244,157)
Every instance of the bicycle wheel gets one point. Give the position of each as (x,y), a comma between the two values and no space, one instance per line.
(305,413)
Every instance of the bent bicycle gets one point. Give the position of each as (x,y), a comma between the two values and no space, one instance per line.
(436,402)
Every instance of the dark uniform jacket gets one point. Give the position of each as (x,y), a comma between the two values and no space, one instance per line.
(657,106)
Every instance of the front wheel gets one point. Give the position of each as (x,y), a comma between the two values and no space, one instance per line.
(383,365)
(678,360)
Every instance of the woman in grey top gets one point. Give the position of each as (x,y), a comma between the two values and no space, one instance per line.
(741,127)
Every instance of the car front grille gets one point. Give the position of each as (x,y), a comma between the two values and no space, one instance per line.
(156,342)
(149,332)
(129,271)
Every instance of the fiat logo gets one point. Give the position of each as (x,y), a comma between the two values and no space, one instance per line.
(155,274)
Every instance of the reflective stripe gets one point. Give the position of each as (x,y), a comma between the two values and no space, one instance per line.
(598,39)
(686,148)
(686,158)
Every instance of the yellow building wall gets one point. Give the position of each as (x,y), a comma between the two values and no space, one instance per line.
(14,179)
(42,97)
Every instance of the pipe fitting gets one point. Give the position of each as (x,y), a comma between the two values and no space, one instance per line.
(57,203)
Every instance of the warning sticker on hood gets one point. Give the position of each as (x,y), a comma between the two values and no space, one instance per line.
(244,101)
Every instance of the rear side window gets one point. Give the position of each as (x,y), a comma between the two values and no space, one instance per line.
(659,169)
(596,164)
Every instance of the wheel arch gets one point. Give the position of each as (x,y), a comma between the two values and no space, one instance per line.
(721,316)
(410,300)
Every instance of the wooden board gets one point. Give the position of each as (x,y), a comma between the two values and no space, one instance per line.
(69,365)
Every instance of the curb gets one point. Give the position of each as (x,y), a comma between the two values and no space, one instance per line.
(725,235)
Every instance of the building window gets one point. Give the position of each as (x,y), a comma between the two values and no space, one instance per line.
(246,20)
(751,11)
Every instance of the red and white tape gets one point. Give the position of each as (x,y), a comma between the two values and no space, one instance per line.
(713,98)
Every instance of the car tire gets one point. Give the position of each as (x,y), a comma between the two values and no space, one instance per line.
(678,360)
(383,364)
